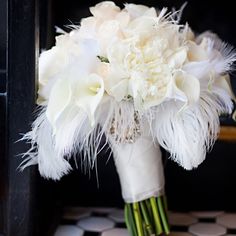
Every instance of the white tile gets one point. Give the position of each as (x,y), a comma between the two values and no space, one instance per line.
(68,230)
(116,232)
(117,215)
(206,214)
(76,213)
(181,219)
(207,229)
(228,220)
(95,224)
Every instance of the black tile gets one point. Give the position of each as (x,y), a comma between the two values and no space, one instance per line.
(91,233)
(231,231)
(179,228)
(207,220)
(101,214)
(120,225)
(68,222)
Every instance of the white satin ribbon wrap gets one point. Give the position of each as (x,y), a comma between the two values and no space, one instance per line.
(140,169)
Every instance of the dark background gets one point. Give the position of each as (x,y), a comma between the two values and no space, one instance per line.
(31,205)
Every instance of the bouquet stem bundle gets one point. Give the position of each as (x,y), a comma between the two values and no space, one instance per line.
(147,217)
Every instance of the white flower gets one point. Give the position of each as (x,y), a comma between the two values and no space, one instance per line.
(72,89)
(144,64)
(68,50)
(136,11)
(106,10)
(108,18)
(53,61)
(186,87)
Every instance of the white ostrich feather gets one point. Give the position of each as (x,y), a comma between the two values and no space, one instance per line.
(42,152)
(51,152)
(222,54)
(189,133)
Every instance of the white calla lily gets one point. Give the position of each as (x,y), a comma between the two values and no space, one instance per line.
(224,83)
(177,58)
(59,99)
(197,52)
(85,93)
(186,88)
(88,93)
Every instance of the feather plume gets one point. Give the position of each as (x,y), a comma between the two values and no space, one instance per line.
(189,133)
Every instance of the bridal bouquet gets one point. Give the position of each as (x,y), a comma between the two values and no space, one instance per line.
(139,78)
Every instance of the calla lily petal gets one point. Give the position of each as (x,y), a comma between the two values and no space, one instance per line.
(177,59)
(59,99)
(224,83)
(196,52)
(189,85)
(88,94)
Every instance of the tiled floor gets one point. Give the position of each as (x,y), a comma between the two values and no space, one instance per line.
(79,221)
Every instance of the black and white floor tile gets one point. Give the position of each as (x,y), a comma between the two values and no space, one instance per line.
(80,221)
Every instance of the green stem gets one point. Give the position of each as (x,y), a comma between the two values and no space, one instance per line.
(163,216)
(148,224)
(164,199)
(156,216)
(138,219)
(148,205)
(129,219)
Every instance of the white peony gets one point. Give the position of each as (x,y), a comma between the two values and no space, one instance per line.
(145,64)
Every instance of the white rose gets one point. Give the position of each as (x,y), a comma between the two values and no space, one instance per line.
(106,10)
(106,25)
(135,10)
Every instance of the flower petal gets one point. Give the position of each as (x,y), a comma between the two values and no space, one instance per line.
(120,90)
(177,59)
(140,10)
(224,83)
(197,52)
(105,10)
(188,85)
(59,99)
(88,94)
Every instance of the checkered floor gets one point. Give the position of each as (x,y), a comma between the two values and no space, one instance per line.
(79,221)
